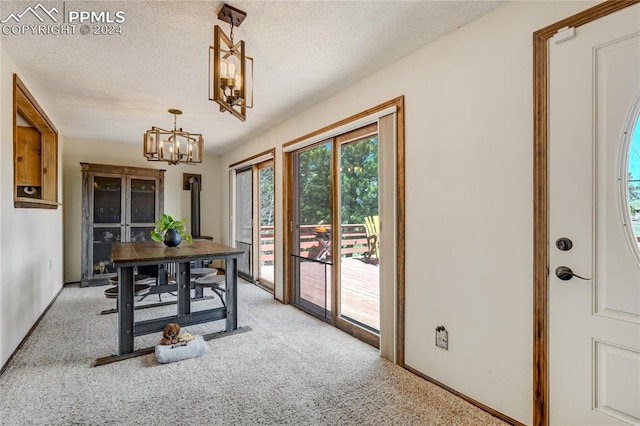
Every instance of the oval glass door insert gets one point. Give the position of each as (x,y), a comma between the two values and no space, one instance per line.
(633,182)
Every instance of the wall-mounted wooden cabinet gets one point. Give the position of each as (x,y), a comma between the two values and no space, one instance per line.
(119,203)
(35,152)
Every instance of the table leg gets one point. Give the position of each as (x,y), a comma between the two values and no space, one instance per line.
(199,293)
(231,284)
(184,289)
(125,310)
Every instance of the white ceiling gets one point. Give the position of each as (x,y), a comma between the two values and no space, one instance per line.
(113,88)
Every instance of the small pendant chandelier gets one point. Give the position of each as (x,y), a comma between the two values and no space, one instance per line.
(173,146)
(231,80)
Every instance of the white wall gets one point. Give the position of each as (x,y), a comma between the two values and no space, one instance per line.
(176,201)
(31,240)
(468,99)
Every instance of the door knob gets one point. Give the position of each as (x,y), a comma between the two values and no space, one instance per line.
(565,274)
(564,244)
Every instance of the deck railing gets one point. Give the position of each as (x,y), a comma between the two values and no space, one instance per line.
(353,241)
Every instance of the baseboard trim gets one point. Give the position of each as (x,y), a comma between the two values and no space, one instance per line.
(33,327)
(471,401)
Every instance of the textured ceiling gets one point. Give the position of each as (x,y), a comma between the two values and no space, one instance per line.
(114,87)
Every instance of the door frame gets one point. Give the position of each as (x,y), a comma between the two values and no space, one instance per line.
(540,197)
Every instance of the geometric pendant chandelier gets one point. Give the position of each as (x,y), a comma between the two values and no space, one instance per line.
(173,146)
(230,69)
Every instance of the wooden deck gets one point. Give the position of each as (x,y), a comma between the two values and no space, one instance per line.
(266,273)
(360,292)
(360,296)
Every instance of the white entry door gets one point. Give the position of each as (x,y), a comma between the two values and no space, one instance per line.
(594,323)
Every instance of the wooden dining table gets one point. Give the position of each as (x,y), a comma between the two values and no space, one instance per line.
(128,255)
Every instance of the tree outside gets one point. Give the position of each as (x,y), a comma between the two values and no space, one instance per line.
(358,182)
(314,176)
(266,196)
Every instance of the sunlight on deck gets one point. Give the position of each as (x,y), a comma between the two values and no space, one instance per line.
(360,294)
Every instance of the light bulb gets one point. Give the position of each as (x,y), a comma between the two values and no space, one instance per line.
(223,69)
(232,70)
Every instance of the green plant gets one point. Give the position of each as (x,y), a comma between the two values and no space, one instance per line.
(165,223)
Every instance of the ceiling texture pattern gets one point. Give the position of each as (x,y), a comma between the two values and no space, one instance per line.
(114,87)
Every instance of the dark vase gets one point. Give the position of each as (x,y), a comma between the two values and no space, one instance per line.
(172,238)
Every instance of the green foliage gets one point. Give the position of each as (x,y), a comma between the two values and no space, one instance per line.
(634,188)
(315,185)
(358,182)
(167,222)
(266,196)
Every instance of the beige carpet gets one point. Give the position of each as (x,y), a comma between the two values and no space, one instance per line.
(290,369)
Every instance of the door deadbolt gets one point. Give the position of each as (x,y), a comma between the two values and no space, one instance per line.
(565,274)
(564,244)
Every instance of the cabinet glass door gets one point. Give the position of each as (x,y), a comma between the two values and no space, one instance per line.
(107,221)
(142,209)
(102,239)
(107,199)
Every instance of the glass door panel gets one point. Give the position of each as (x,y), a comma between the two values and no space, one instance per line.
(312,257)
(359,294)
(140,233)
(313,291)
(142,208)
(107,199)
(266,219)
(244,221)
(103,237)
(334,231)
(633,180)
(107,223)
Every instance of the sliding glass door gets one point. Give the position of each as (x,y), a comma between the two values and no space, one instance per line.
(359,294)
(311,231)
(254,227)
(266,220)
(334,231)
(244,221)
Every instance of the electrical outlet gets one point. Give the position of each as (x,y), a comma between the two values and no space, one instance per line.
(442,337)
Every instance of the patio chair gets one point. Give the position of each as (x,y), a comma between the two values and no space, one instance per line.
(372,226)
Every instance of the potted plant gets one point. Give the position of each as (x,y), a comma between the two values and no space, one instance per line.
(170,231)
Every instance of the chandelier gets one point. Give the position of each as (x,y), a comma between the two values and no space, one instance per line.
(173,146)
(231,80)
